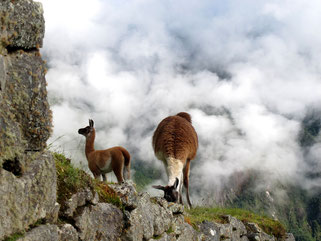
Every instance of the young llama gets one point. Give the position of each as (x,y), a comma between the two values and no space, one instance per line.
(101,162)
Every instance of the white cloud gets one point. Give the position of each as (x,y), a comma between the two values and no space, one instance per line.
(246,70)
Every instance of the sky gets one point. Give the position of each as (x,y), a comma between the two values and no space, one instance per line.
(247,71)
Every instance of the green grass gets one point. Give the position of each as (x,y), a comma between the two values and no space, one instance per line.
(14,237)
(71,179)
(268,225)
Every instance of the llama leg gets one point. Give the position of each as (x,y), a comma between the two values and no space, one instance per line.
(186,182)
(118,167)
(127,171)
(119,176)
(104,175)
(180,190)
(97,176)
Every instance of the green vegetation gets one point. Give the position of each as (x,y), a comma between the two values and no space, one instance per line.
(71,179)
(299,211)
(268,225)
(170,230)
(14,237)
(144,174)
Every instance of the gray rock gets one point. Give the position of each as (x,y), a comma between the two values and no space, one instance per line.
(23,24)
(140,221)
(127,193)
(178,224)
(78,199)
(266,237)
(25,119)
(174,208)
(25,200)
(53,216)
(26,92)
(254,237)
(211,232)
(99,222)
(162,219)
(188,233)
(164,237)
(253,228)
(232,229)
(68,233)
(289,237)
(151,218)
(42,233)
(256,233)
(12,144)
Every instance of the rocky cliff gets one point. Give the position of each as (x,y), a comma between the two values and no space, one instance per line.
(29,206)
(27,173)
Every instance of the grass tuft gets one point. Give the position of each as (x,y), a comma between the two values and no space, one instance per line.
(268,225)
(71,179)
(14,237)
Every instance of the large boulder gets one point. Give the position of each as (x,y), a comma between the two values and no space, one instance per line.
(99,222)
(22,24)
(68,233)
(44,232)
(25,117)
(27,198)
(79,199)
(27,173)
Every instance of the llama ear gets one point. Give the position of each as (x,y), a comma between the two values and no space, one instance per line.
(176,183)
(159,187)
(91,123)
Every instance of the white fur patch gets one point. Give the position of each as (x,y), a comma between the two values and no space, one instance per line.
(174,170)
(107,168)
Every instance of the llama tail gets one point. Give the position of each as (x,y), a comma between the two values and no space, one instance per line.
(127,162)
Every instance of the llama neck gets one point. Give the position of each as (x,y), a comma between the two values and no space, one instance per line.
(90,140)
(174,170)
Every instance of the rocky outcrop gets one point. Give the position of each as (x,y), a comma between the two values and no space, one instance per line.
(146,218)
(47,232)
(22,24)
(25,200)
(25,117)
(99,222)
(27,173)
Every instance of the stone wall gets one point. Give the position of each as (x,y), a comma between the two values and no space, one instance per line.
(25,117)
(27,173)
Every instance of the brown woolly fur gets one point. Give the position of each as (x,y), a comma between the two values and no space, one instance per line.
(185,116)
(176,137)
(175,142)
(101,162)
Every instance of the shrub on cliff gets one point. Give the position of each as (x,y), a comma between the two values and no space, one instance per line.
(71,179)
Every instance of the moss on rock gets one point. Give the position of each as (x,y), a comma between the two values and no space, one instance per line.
(70,180)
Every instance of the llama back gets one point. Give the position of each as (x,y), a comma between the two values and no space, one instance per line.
(175,137)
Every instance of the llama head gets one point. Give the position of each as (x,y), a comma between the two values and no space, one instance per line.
(170,192)
(86,131)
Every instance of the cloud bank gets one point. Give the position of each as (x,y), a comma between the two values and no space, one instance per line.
(247,71)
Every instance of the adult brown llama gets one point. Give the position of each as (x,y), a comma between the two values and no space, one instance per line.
(175,142)
(101,162)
